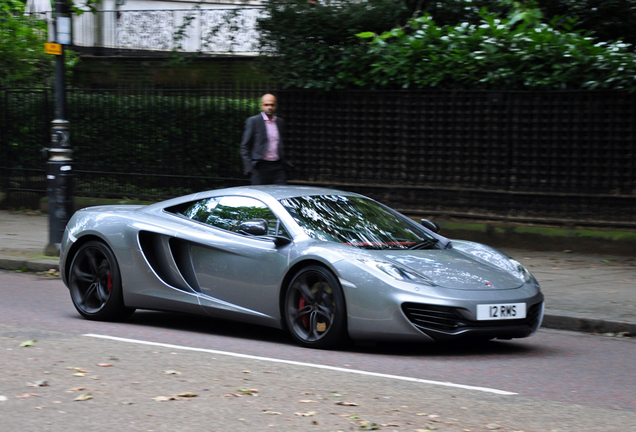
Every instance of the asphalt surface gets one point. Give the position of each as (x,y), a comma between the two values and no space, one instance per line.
(57,378)
(593,293)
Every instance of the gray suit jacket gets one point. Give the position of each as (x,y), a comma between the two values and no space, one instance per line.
(254,142)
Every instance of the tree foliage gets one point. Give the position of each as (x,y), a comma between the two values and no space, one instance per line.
(22,57)
(519,52)
(23,61)
(608,20)
(301,41)
(515,46)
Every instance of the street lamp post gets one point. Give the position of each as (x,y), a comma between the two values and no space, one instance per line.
(59,166)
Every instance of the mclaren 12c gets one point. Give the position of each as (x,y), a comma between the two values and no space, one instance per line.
(327,266)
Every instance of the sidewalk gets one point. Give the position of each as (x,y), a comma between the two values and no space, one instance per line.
(584,292)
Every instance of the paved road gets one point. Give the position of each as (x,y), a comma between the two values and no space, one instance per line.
(562,380)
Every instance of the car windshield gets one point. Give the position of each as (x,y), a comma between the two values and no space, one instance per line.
(356,221)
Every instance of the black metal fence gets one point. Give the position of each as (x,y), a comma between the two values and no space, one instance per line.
(526,155)
(567,157)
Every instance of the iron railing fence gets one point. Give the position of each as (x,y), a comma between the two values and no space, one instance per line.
(563,157)
(206,31)
(132,143)
(524,155)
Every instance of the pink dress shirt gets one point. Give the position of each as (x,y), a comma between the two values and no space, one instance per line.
(272,137)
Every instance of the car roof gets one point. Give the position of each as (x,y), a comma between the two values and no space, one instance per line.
(264,193)
(283,191)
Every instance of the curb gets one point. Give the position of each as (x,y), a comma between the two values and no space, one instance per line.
(28,264)
(564,320)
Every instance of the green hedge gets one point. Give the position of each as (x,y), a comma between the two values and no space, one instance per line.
(179,133)
(504,54)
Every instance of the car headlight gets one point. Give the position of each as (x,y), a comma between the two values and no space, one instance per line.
(523,272)
(395,271)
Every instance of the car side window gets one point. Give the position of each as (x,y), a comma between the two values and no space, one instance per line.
(229,211)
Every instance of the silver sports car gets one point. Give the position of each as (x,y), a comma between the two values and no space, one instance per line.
(321,263)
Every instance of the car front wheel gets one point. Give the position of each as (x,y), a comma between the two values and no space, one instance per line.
(315,308)
(95,284)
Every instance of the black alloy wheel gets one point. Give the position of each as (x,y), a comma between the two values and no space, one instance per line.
(315,308)
(95,284)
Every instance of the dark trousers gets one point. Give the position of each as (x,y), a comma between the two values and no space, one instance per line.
(268,172)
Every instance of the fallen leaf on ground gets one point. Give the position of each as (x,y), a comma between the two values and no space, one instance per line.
(83,397)
(27,395)
(306,413)
(80,374)
(72,389)
(272,412)
(166,398)
(3,399)
(249,392)
(367,425)
(343,403)
(308,401)
(104,364)
(38,383)
(28,343)
(187,395)
(171,372)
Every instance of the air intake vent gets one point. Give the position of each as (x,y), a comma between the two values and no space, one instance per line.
(450,320)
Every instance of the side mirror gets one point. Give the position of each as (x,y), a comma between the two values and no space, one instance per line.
(255,227)
(430,225)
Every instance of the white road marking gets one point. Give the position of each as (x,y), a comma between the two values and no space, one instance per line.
(311,365)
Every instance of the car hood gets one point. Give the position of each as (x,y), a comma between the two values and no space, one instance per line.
(456,269)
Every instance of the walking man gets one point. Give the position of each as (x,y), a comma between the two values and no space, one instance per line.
(262,145)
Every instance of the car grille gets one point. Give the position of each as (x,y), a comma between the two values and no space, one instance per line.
(450,320)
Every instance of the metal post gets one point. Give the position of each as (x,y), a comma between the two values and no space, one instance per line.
(59,166)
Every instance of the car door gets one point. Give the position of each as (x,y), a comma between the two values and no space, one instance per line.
(238,273)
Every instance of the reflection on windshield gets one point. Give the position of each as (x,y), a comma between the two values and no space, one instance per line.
(355,221)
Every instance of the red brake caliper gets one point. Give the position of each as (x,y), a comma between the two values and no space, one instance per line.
(305,319)
(109,283)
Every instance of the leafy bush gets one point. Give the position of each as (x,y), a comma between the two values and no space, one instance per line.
(496,54)
(23,61)
(607,20)
(511,48)
(302,42)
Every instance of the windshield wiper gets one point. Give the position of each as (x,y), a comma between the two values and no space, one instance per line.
(424,244)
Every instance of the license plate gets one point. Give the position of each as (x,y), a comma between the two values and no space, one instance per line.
(501,311)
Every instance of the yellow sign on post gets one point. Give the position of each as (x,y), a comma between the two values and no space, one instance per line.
(53,48)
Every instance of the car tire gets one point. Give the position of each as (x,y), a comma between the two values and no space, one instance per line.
(315,311)
(95,283)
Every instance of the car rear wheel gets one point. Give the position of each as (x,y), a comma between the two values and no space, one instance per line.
(315,308)
(95,284)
